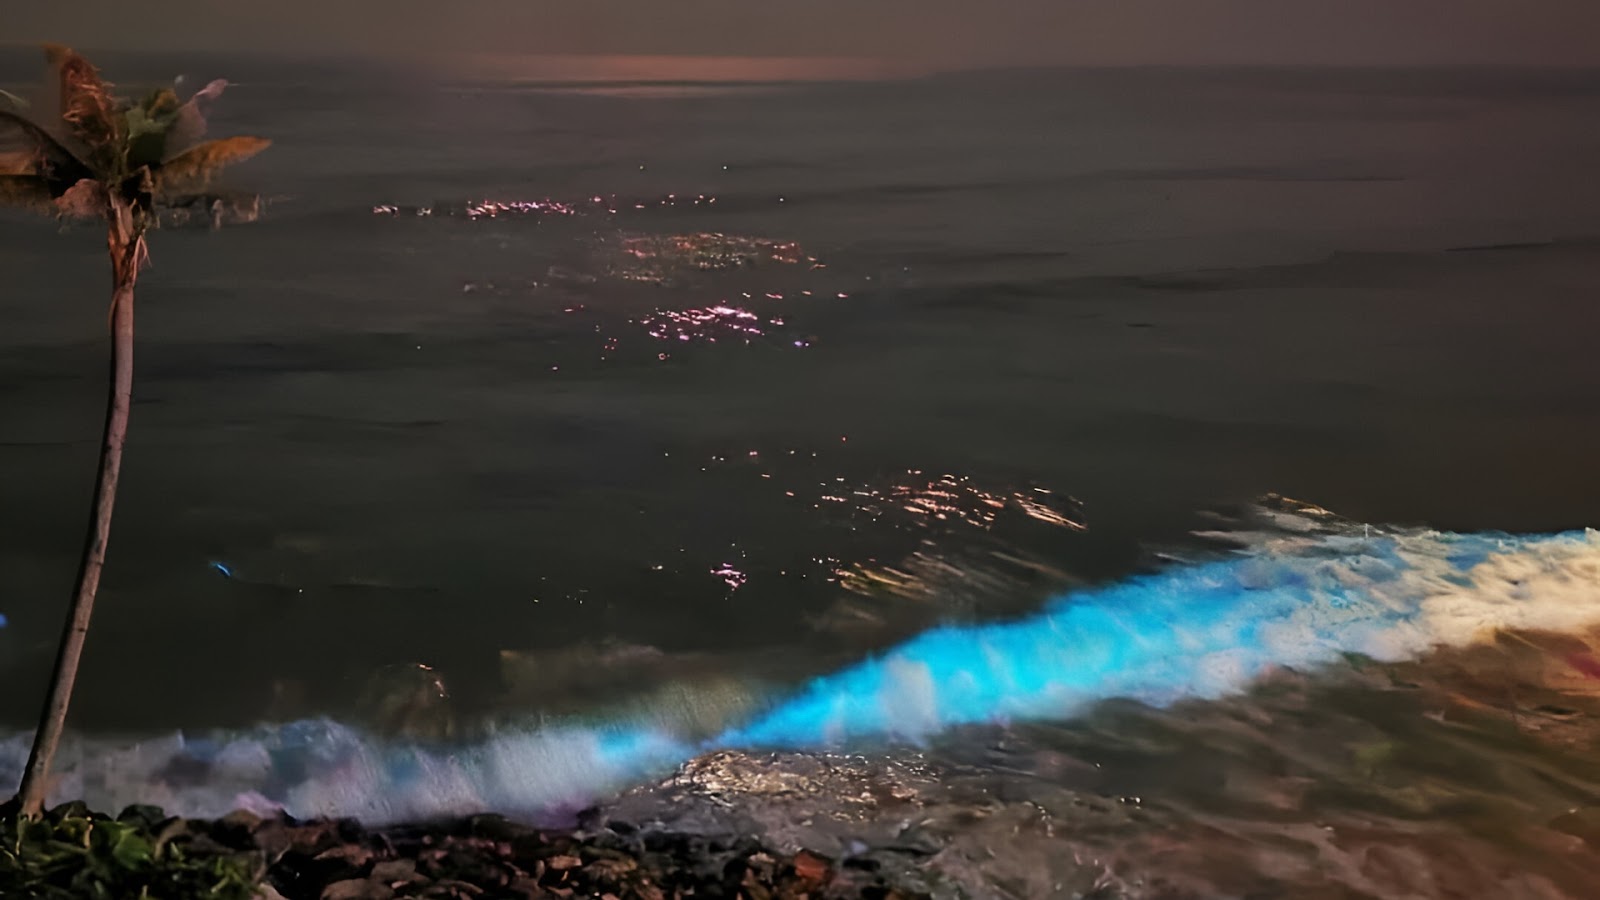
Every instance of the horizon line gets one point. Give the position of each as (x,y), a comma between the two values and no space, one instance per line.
(599,68)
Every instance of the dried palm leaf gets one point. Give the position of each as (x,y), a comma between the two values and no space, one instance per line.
(190,126)
(91,114)
(47,156)
(194,168)
(17,163)
(28,192)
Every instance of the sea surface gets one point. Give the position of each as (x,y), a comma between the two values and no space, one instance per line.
(550,443)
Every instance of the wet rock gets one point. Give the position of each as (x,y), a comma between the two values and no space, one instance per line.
(351,858)
(525,888)
(310,838)
(357,889)
(613,868)
(810,868)
(143,815)
(496,828)
(494,858)
(242,819)
(395,871)
(454,890)
(77,809)
(562,863)
(236,830)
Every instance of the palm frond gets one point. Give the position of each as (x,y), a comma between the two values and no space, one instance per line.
(47,155)
(190,126)
(16,163)
(194,168)
(149,127)
(29,192)
(91,114)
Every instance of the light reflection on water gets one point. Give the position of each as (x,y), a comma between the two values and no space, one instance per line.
(710,323)
(671,259)
(496,208)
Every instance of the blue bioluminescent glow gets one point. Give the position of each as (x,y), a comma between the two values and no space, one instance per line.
(1201,630)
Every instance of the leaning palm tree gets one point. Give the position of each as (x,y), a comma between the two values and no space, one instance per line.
(105,158)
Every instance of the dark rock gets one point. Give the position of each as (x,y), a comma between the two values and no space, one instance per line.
(811,868)
(349,860)
(394,870)
(236,830)
(350,830)
(754,886)
(357,889)
(311,838)
(171,830)
(274,839)
(492,858)
(143,815)
(863,863)
(525,889)
(496,828)
(242,818)
(562,863)
(304,868)
(77,809)
(203,844)
(610,868)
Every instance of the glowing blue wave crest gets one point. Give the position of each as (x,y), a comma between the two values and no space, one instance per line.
(1197,631)
(1193,631)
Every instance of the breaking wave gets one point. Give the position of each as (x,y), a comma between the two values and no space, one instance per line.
(1203,630)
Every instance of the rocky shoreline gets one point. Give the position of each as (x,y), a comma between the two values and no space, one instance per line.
(73,852)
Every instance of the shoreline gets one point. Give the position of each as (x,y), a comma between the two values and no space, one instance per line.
(487,856)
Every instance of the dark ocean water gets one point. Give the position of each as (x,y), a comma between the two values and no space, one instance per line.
(574,394)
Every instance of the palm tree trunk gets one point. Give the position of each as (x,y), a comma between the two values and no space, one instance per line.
(125,250)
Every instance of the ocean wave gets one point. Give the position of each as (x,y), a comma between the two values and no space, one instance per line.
(1296,599)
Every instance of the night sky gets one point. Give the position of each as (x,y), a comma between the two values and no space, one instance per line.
(941,33)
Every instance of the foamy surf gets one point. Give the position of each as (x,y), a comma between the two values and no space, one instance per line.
(1199,630)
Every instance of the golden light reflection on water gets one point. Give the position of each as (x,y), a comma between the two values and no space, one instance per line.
(492,208)
(710,250)
(711,323)
(955,498)
(668,260)
(916,535)
(953,515)
(932,538)
(664,259)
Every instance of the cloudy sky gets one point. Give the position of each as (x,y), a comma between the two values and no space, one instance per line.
(938,32)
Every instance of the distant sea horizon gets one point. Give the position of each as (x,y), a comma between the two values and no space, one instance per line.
(18,60)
